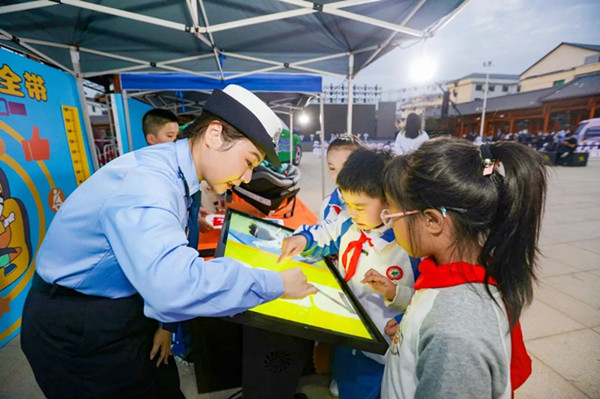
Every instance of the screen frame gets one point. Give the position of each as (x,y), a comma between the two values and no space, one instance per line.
(376,345)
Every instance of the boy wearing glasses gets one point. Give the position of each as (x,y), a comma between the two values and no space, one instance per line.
(369,260)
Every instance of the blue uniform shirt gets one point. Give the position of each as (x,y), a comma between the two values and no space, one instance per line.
(123,231)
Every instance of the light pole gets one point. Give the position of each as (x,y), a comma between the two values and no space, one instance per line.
(487,65)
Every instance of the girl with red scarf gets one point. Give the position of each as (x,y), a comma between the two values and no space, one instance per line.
(474,215)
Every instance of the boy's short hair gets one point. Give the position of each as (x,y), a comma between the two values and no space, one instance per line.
(346,140)
(155,119)
(363,172)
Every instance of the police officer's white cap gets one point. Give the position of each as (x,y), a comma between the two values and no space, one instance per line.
(248,114)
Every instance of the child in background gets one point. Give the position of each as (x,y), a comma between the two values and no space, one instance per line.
(160,126)
(475,213)
(338,151)
(364,244)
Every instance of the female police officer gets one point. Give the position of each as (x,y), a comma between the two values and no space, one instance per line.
(118,248)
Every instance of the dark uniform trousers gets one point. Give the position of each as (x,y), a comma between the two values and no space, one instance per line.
(82,346)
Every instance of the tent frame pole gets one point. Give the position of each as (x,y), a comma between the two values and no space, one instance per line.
(86,116)
(334,9)
(127,120)
(323,157)
(350,93)
(292,149)
(30,5)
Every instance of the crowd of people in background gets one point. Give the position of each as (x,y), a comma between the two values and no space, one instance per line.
(563,141)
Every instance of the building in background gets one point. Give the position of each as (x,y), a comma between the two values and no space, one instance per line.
(543,110)
(556,92)
(471,87)
(561,65)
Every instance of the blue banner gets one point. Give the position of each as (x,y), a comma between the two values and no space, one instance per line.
(44,155)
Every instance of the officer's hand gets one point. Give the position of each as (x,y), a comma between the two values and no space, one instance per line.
(162,346)
(292,246)
(204,226)
(295,285)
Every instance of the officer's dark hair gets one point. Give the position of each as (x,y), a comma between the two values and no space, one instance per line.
(363,173)
(345,141)
(196,129)
(500,214)
(155,119)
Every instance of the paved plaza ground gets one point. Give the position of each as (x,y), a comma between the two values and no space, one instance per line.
(561,327)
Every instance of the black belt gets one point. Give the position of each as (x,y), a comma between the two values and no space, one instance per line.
(40,285)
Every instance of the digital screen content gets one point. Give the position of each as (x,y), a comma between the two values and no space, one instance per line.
(331,315)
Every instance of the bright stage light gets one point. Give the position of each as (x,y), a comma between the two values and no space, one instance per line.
(303,119)
(423,69)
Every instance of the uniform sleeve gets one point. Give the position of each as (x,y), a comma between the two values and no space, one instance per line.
(323,238)
(150,245)
(403,296)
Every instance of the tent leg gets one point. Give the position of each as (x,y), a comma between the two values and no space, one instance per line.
(86,116)
(292,149)
(127,120)
(350,92)
(323,160)
(117,124)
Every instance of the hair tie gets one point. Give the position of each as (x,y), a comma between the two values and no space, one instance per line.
(486,159)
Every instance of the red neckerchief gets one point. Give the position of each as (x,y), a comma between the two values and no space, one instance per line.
(439,276)
(355,246)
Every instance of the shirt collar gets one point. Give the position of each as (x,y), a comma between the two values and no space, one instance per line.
(381,237)
(186,164)
(336,197)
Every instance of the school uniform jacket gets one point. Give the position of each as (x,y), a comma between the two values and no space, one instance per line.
(332,206)
(379,252)
(454,340)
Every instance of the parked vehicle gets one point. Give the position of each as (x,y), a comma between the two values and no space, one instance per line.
(588,132)
(283,147)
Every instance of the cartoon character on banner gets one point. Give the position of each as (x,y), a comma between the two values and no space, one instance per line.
(15,240)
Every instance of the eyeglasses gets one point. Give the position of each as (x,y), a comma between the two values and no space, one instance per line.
(387,217)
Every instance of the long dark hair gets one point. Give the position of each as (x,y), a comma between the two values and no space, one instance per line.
(503,214)
(413,126)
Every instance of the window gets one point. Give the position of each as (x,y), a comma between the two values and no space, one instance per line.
(479,87)
(518,88)
(591,59)
(504,88)
(592,132)
(558,83)
(491,87)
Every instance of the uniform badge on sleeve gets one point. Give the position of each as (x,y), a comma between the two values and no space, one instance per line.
(394,273)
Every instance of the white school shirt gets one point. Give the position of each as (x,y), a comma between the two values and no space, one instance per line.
(385,256)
